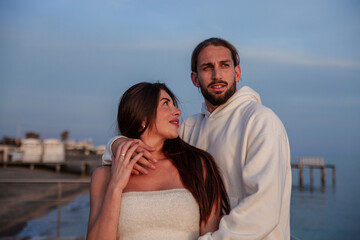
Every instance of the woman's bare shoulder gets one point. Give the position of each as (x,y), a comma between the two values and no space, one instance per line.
(101,175)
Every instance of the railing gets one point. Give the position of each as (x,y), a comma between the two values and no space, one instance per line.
(83,166)
(59,200)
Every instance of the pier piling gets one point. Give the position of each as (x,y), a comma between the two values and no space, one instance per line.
(311,163)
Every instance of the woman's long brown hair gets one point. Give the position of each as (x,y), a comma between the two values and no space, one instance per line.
(197,168)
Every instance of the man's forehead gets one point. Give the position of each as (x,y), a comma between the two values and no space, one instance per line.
(214,53)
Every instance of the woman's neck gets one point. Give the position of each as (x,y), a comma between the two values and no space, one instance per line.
(156,143)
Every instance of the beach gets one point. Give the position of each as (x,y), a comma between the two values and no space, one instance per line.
(317,212)
(21,202)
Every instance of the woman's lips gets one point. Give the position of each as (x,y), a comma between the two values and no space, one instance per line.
(175,122)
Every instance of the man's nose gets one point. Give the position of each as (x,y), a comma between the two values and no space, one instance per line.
(216,73)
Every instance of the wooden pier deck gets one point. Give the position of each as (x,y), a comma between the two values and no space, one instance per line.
(313,163)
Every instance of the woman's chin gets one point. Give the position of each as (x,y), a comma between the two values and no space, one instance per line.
(173,136)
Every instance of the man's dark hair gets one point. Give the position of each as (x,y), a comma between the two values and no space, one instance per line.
(214,42)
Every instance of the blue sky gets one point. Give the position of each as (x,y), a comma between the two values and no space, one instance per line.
(65,64)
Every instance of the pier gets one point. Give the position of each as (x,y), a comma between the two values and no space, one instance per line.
(313,163)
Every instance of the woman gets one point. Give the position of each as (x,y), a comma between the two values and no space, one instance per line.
(182,199)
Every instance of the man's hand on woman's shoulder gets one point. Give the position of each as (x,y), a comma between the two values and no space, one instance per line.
(146,162)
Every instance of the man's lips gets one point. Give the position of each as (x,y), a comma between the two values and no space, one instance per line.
(218,87)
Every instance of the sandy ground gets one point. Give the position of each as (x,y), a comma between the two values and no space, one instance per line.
(21,202)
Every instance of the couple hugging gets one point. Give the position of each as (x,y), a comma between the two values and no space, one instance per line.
(223,174)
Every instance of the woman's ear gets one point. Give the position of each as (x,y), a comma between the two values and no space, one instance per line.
(143,125)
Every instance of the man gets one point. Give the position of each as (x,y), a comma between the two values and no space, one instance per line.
(247,141)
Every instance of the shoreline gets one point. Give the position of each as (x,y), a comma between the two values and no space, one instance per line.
(21,202)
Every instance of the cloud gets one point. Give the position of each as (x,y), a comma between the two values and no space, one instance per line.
(295,58)
(350,101)
(282,56)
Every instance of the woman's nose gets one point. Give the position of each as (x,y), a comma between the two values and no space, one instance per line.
(176,111)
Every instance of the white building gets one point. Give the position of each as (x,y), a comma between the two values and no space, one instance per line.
(81,147)
(54,150)
(9,153)
(99,150)
(31,149)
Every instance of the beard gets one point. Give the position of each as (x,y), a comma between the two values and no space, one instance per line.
(220,98)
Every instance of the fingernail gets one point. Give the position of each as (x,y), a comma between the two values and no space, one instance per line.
(153,166)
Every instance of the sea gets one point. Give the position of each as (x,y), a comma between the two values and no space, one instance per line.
(317,212)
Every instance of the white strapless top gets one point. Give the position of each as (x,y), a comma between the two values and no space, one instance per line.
(154,215)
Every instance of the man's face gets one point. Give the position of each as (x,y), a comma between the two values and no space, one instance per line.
(216,75)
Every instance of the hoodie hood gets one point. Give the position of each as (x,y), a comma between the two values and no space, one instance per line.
(242,95)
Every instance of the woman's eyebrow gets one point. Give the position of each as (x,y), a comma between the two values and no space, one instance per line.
(167,99)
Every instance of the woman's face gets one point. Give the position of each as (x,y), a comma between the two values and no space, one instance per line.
(167,118)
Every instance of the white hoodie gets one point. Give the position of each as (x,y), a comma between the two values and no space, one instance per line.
(250,145)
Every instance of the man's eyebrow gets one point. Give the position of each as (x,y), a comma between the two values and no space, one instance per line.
(210,64)
(226,61)
(206,64)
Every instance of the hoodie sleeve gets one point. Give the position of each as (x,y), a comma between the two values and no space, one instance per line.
(264,184)
(107,156)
